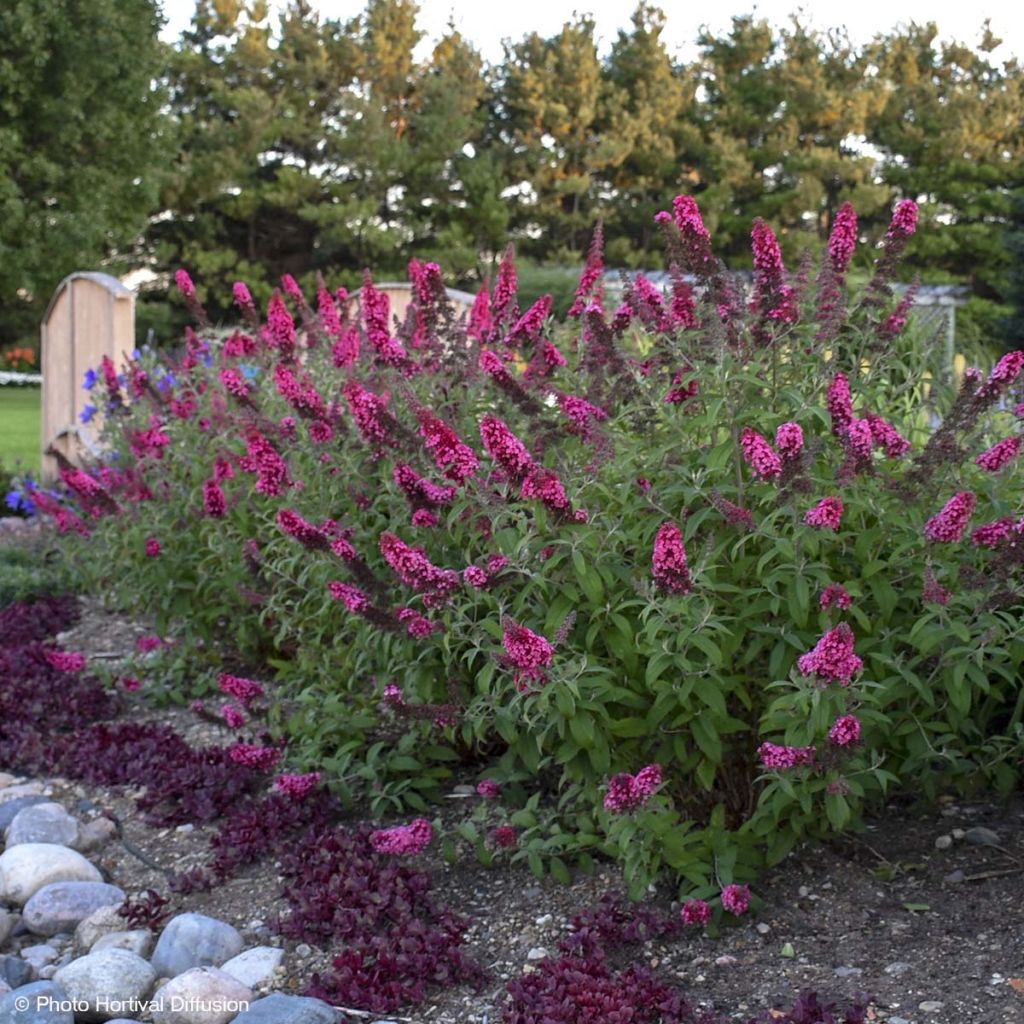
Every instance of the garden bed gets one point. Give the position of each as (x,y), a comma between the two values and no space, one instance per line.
(930,933)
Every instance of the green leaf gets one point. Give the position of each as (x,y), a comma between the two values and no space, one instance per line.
(559,871)
(706,737)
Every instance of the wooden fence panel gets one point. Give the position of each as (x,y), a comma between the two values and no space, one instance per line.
(90,316)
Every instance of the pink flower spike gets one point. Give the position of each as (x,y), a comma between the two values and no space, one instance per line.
(403,840)
(529,653)
(843,240)
(736,899)
(759,455)
(66,661)
(298,787)
(999,455)
(948,525)
(776,758)
(695,912)
(789,439)
(668,565)
(826,515)
(832,658)
(845,732)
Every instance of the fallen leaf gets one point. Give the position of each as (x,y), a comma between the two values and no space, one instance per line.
(1017,984)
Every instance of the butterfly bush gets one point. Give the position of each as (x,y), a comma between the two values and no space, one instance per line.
(747,539)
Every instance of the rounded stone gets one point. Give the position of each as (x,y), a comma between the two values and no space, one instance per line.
(42,823)
(203,995)
(42,997)
(108,983)
(26,868)
(100,922)
(15,971)
(138,941)
(194,940)
(278,1008)
(255,966)
(62,906)
(10,809)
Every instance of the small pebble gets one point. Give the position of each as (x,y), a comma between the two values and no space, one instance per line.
(303,950)
(537,953)
(544,919)
(981,836)
(930,1006)
(958,833)
(763,929)
(725,961)
(954,877)
(847,972)
(898,967)
(943,842)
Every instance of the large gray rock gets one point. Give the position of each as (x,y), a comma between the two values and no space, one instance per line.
(138,941)
(281,1009)
(255,966)
(203,995)
(15,971)
(38,1003)
(12,808)
(194,940)
(62,906)
(43,823)
(26,868)
(109,983)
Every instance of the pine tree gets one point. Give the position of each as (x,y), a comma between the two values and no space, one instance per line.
(82,144)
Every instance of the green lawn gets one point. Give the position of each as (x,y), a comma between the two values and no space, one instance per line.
(19,427)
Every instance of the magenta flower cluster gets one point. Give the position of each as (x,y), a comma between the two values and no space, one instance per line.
(780,758)
(826,515)
(245,691)
(403,840)
(251,755)
(628,792)
(529,654)
(832,658)
(845,732)
(297,787)
(668,565)
(759,455)
(948,526)
(999,455)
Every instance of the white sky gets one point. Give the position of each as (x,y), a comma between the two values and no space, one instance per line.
(485,24)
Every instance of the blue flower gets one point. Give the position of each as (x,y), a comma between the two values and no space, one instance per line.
(90,380)
(87,413)
(250,372)
(167,382)
(207,361)
(136,355)
(19,501)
